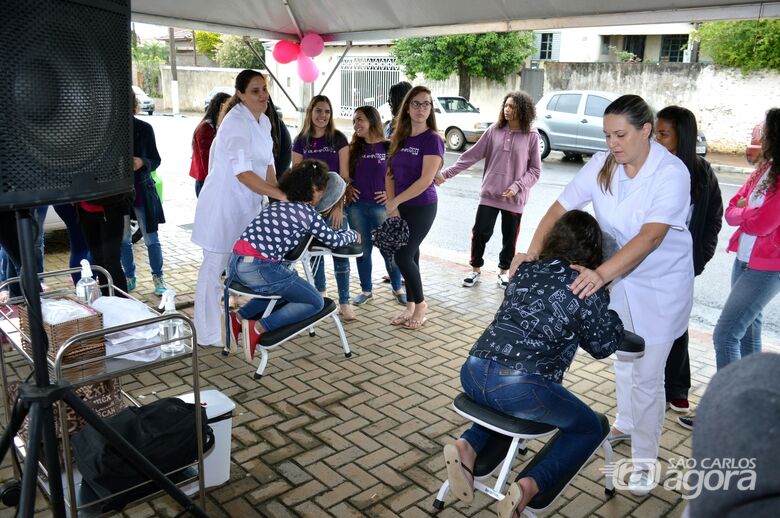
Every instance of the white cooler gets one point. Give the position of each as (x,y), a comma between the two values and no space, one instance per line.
(219,411)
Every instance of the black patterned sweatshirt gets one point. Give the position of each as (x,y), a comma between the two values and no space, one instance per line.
(541,323)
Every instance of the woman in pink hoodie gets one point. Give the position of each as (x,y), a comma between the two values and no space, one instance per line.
(510,148)
(755,278)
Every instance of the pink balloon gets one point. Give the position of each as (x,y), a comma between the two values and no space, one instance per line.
(312,44)
(285,51)
(307,69)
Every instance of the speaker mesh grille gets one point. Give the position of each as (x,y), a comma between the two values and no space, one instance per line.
(66,86)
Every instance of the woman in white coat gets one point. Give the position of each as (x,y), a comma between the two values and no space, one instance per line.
(241,176)
(640,195)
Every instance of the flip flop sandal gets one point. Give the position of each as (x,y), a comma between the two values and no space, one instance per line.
(414,325)
(400,320)
(460,486)
(506,508)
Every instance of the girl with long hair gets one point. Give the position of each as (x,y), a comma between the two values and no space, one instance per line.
(416,154)
(755,278)
(641,197)
(366,210)
(676,130)
(202,138)
(510,148)
(241,180)
(319,139)
(516,367)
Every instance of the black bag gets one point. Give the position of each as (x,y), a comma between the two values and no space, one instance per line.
(163,431)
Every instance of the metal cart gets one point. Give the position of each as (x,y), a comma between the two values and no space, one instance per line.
(93,370)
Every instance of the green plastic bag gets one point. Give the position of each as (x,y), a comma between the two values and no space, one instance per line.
(158,184)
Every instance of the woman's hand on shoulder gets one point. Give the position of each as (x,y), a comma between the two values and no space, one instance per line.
(519,259)
(587,282)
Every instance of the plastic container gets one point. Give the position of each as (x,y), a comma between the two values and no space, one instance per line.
(170,330)
(219,412)
(87,288)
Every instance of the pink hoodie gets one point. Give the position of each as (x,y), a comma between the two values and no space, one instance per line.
(512,160)
(762,222)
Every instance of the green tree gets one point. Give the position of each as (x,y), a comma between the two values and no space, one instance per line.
(490,55)
(232,52)
(148,58)
(747,45)
(206,43)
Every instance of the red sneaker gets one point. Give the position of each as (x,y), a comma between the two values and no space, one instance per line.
(251,340)
(680,406)
(235,330)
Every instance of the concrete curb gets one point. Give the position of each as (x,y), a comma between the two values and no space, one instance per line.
(731,169)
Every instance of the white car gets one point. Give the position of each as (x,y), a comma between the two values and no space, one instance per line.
(458,120)
(146,104)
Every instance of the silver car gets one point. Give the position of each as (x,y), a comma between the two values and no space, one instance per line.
(572,121)
(145,102)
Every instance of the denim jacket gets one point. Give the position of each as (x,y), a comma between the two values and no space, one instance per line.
(541,323)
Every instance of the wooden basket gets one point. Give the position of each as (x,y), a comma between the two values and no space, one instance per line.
(58,334)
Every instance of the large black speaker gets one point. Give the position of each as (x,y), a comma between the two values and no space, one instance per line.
(66,113)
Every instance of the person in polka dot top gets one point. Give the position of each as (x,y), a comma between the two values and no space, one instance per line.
(258,256)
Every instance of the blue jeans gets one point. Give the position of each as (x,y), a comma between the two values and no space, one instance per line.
(153,247)
(365,217)
(738,331)
(340,269)
(78,243)
(198,187)
(10,270)
(532,397)
(275,278)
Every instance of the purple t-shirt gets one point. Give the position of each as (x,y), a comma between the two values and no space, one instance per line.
(408,161)
(370,171)
(321,149)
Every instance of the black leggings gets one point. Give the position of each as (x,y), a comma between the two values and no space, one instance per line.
(103,233)
(420,219)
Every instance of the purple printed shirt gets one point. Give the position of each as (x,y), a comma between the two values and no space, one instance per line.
(370,171)
(320,149)
(408,162)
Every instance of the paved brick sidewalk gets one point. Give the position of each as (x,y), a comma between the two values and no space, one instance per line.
(321,435)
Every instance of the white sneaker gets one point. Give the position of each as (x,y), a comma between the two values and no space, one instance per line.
(471,279)
(640,483)
(503,280)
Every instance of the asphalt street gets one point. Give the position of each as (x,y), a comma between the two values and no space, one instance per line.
(458,199)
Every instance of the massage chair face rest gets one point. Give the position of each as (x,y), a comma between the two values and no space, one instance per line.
(631,348)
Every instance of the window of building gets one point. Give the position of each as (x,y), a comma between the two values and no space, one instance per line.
(605,45)
(635,44)
(672,47)
(546,46)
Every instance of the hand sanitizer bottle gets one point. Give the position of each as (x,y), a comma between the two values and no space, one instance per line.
(170,329)
(87,288)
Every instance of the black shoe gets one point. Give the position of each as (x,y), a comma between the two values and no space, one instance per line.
(686,421)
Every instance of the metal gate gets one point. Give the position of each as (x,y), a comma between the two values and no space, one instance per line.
(365,80)
(532,82)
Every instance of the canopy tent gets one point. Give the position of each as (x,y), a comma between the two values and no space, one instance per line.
(351,20)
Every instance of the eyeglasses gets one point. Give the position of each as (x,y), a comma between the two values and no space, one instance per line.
(418,105)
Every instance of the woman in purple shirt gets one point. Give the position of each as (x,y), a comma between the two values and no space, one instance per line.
(416,154)
(510,148)
(319,139)
(366,212)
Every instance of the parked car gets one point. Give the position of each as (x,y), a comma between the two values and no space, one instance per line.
(753,150)
(572,121)
(458,120)
(145,102)
(214,91)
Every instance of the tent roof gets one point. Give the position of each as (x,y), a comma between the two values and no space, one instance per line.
(352,20)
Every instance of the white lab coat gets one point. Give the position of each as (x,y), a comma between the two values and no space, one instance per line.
(225,205)
(657,295)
